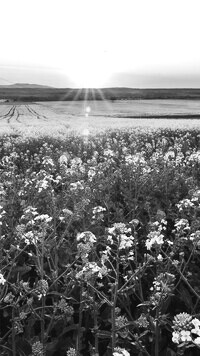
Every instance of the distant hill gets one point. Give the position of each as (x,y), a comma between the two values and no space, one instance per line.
(33,92)
(24,86)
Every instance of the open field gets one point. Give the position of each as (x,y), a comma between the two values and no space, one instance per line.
(63,117)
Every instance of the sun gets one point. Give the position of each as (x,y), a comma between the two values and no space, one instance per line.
(88,70)
(89,75)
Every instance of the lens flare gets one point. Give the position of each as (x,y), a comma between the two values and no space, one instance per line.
(88,109)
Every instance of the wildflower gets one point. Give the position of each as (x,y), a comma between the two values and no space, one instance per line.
(65,307)
(83,250)
(170,155)
(30,238)
(176,337)
(196,329)
(162,286)
(42,287)
(125,242)
(30,301)
(134,222)
(155,239)
(64,159)
(142,321)
(182,321)
(43,218)
(120,323)
(2,213)
(197,340)
(9,298)
(71,352)
(47,161)
(91,173)
(195,237)
(196,322)
(196,196)
(160,258)
(185,203)
(22,315)
(136,159)
(2,279)
(76,186)
(105,254)
(87,236)
(98,213)
(118,351)
(29,213)
(25,286)
(67,214)
(37,349)
(182,224)
(108,153)
(185,335)
(194,157)
(182,325)
(42,184)
(91,269)
(123,235)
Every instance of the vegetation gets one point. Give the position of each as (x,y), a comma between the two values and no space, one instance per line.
(100,243)
(27,94)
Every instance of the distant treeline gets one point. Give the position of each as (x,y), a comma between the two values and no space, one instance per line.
(51,94)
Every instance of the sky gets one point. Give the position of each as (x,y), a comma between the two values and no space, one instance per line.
(100,43)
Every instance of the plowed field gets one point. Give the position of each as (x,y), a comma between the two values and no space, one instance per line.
(84,117)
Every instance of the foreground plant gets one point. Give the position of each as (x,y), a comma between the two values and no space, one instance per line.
(99,244)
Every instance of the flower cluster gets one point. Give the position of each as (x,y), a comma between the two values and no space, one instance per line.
(37,349)
(155,239)
(120,352)
(163,286)
(186,329)
(98,213)
(42,288)
(121,235)
(86,241)
(90,270)
(71,352)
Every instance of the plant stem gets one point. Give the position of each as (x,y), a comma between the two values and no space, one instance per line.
(13,333)
(96,341)
(43,297)
(79,336)
(114,301)
(157,334)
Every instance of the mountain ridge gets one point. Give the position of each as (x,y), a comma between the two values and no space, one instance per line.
(25,85)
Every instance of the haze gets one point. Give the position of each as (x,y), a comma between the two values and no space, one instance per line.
(100,43)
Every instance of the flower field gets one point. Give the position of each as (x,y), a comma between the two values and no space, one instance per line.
(100,244)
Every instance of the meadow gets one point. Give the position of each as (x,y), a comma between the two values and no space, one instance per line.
(100,238)
(62,117)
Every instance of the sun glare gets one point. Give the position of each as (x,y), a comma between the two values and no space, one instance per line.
(91,71)
(88,77)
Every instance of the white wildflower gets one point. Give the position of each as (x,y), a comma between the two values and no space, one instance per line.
(176,337)
(2,279)
(185,335)
(197,341)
